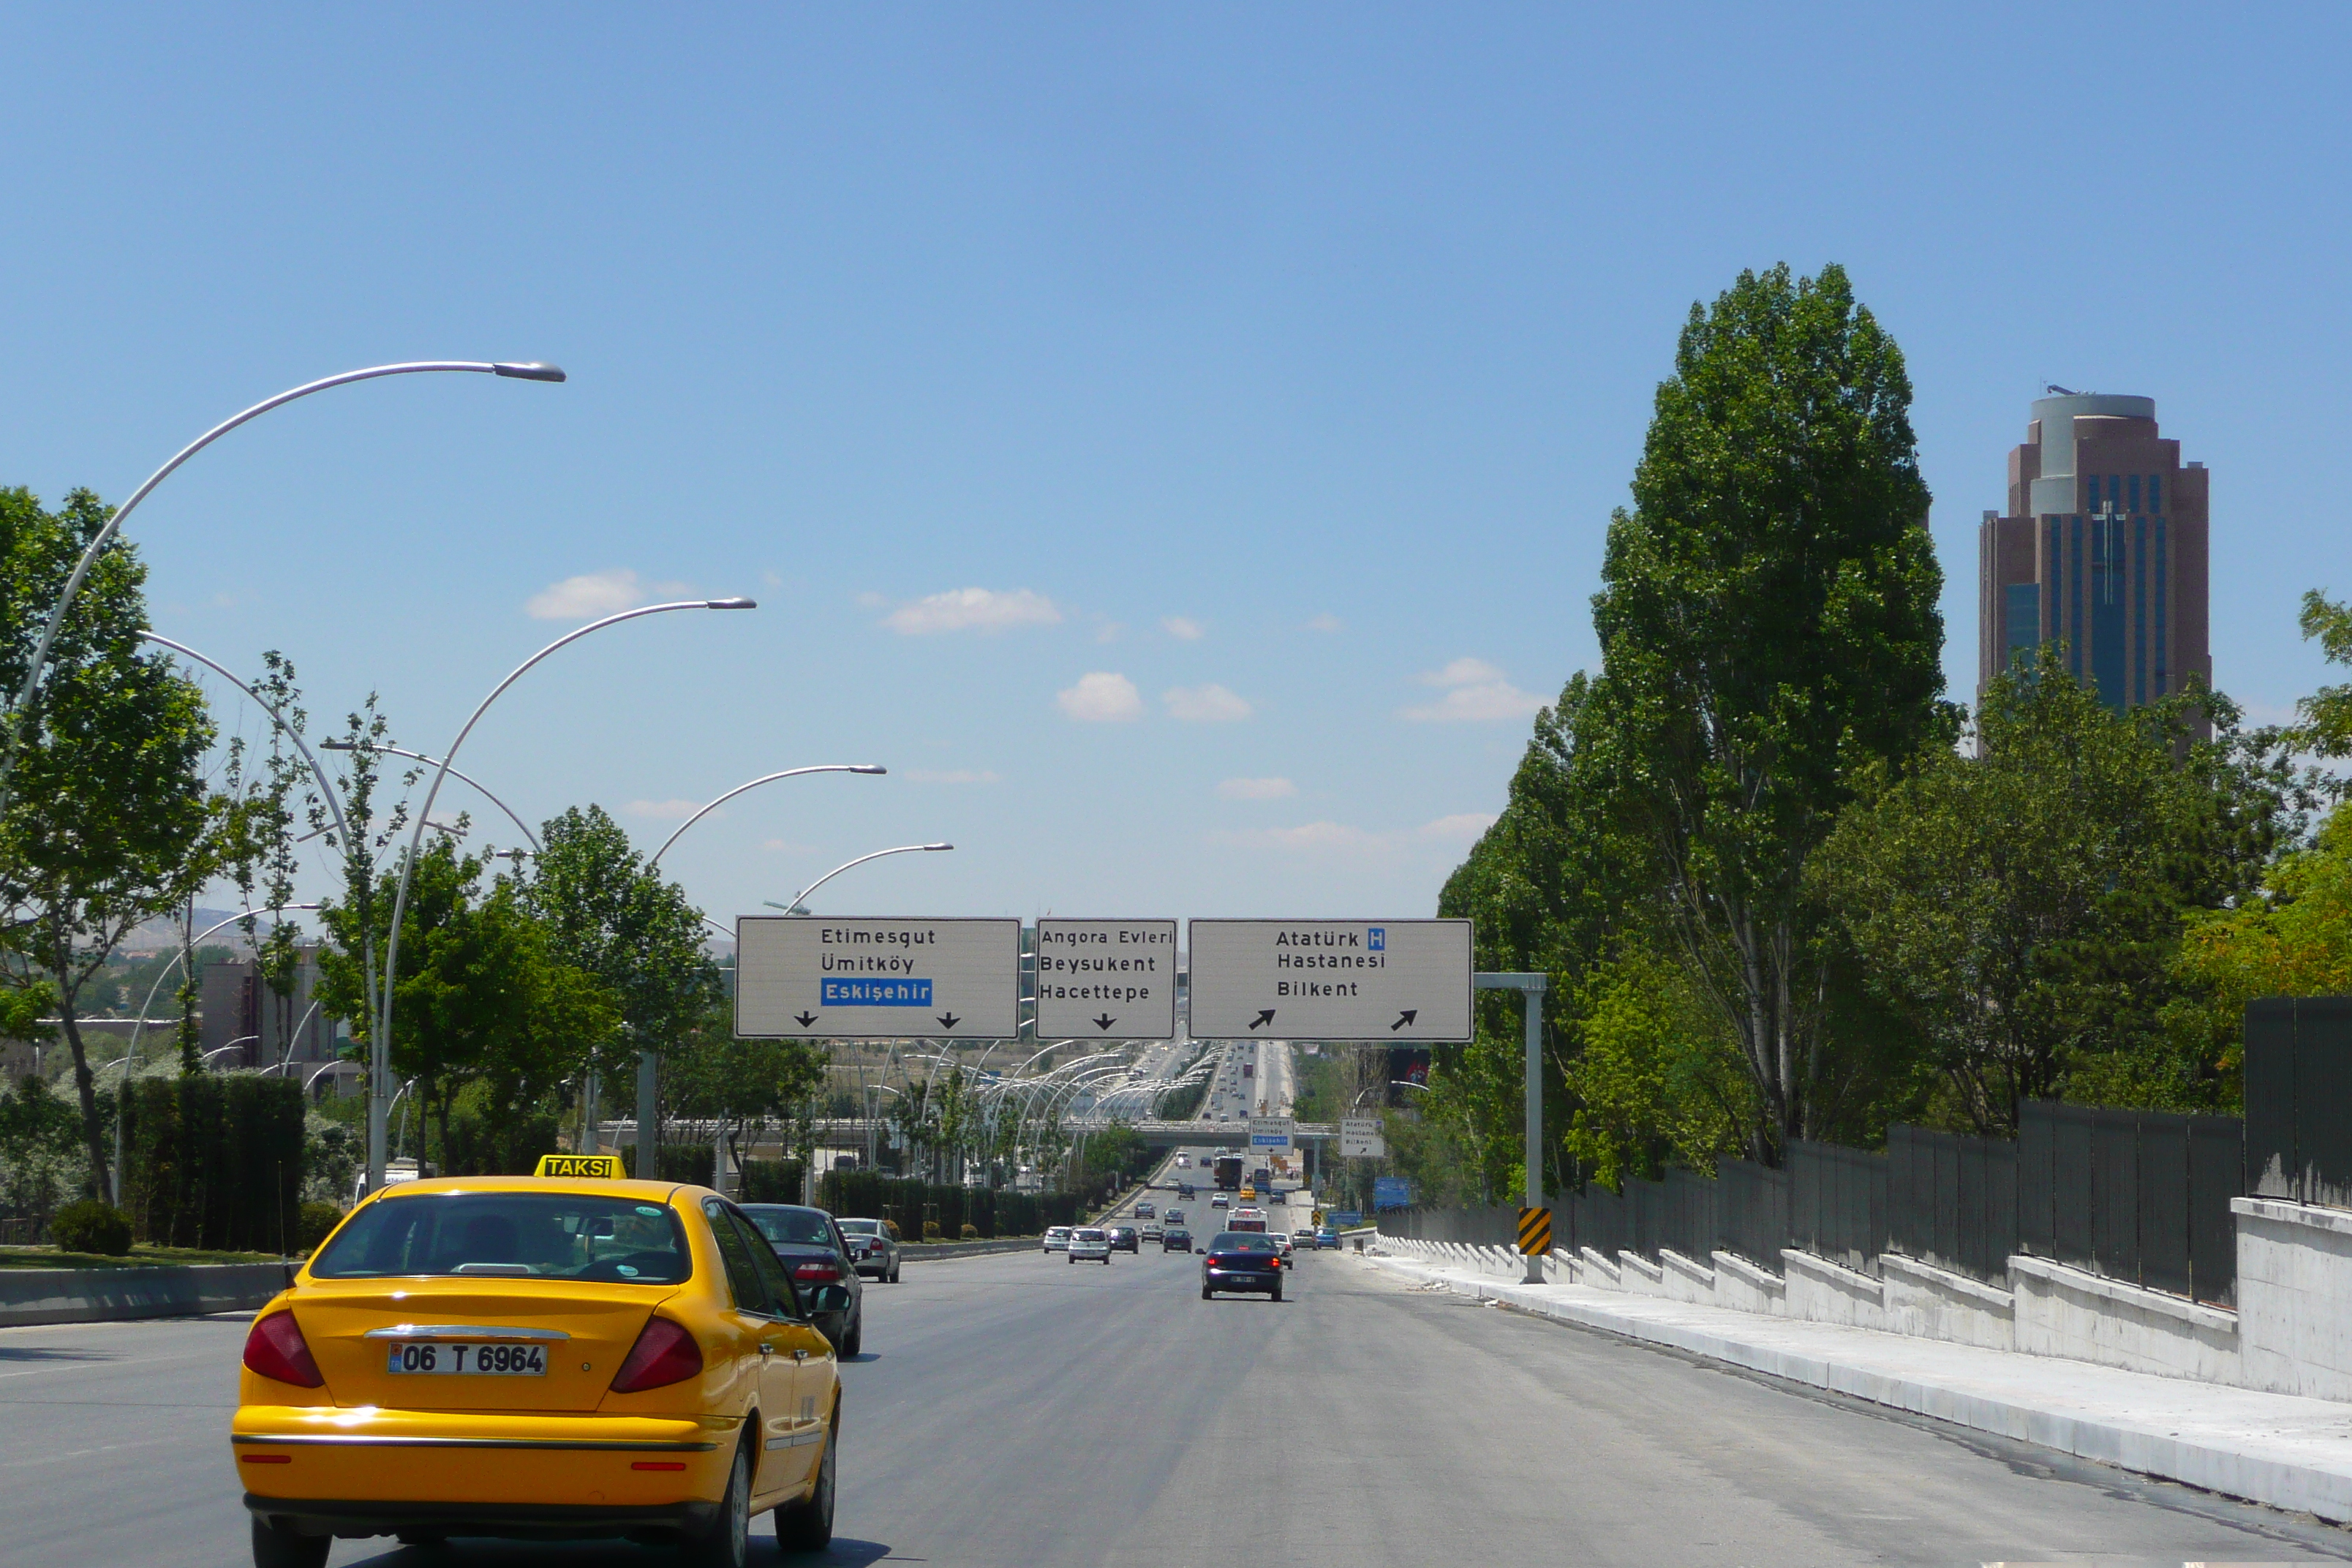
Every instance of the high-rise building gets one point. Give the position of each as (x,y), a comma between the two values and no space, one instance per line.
(2104,547)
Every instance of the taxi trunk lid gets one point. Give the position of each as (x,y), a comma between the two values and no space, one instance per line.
(358,1333)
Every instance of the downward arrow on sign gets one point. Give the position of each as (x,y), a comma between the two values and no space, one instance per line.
(1105,1021)
(804,1019)
(948,1020)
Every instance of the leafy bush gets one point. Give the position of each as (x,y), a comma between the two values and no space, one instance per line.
(91,1225)
(970,1232)
(317,1220)
(769,1182)
(930,1230)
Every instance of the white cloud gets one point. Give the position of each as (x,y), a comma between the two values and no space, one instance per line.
(973,610)
(1257,789)
(1476,693)
(665,810)
(1108,632)
(1462,827)
(1211,704)
(950,776)
(1327,622)
(597,594)
(1183,628)
(1101,697)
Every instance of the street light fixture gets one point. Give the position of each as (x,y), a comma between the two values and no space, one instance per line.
(801,896)
(764,778)
(11,739)
(380,1045)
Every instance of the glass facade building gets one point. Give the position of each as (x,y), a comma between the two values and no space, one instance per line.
(2103,547)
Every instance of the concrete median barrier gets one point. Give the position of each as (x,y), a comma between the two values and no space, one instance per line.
(162,1291)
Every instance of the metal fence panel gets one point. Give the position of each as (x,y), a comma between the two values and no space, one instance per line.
(2216,1173)
(2270,1059)
(2114,1197)
(2037,1180)
(1969,1207)
(2163,1205)
(2071,1188)
(2322,1099)
(2000,1210)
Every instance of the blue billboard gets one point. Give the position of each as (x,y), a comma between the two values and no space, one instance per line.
(1391,1192)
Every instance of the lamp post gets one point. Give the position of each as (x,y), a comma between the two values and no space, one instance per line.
(648,1064)
(529,837)
(902,850)
(10,742)
(380,1044)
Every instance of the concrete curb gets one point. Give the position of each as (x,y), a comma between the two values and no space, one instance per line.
(162,1291)
(944,1251)
(2283,1450)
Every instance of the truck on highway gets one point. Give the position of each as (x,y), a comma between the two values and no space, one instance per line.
(1229,1172)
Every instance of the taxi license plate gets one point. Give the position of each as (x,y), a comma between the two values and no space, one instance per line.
(451,1358)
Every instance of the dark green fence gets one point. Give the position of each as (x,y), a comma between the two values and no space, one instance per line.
(911,1206)
(212,1160)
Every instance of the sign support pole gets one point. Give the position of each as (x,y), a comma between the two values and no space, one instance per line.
(1535,1217)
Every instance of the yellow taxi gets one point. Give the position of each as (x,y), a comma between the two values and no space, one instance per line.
(539,1357)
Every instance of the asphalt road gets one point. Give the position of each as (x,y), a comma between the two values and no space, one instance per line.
(1016,1410)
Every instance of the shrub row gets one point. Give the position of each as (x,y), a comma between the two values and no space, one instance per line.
(936,1211)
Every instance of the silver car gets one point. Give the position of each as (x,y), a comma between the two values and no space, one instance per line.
(1058,1238)
(871,1248)
(1089,1245)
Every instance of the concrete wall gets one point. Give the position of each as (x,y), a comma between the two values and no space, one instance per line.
(95,1295)
(2292,1333)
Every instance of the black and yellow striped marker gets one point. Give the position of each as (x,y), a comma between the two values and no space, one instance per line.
(1535,1232)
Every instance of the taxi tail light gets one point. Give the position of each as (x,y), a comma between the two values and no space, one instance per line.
(664,1353)
(275,1349)
(815,1269)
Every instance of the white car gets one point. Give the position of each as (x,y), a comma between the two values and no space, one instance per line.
(1088,1244)
(1058,1238)
(1183,1162)
(1218,1202)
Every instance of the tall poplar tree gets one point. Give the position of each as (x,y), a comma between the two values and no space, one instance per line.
(1768,623)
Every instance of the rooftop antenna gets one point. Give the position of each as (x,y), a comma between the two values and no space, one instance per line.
(2062,391)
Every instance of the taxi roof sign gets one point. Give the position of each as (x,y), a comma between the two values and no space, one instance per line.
(603,1167)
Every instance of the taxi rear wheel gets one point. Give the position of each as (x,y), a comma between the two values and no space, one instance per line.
(276,1547)
(728,1542)
(807,1525)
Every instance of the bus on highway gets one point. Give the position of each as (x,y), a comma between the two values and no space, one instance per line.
(1229,1170)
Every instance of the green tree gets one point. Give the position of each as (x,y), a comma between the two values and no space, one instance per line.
(2023,908)
(110,823)
(1659,1079)
(1767,625)
(747,1087)
(609,913)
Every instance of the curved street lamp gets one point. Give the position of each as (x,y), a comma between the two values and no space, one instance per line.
(902,850)
(9,741)
(380,1044)
(529,837)
(755,784)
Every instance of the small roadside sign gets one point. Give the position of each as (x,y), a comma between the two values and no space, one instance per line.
(1535,1233)
(810,976)
(1371,982)
(1107,979)
(1360,1139)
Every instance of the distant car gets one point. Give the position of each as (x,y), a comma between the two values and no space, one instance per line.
(1183,1162)
(1058,1238)
(1218,1201)
(1123,1239)
(1152,1232)
(1283,1245)
(872,1249)
(1146,1210)
(1174,1216)
(812,1248)
(1184,1191)
(1328,1240)
(1088,1244)
(1273,1197)
(1176,1238)
(1239,1261)
(1304,1237)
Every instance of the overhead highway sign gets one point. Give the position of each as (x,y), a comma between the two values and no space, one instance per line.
(1271,1131)
(1360,1139)
(1368,981)
(1107,979)
(809,976)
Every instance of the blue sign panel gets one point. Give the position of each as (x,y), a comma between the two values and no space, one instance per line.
(1345,1219)
(1391,1192)
(877,993)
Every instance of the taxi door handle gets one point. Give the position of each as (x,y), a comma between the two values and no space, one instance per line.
(799,1356)
(767,1349)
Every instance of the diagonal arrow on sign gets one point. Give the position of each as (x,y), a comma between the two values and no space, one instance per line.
(1405,1017)
(1265,1016)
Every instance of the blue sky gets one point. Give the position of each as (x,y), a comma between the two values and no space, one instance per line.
(1178,443)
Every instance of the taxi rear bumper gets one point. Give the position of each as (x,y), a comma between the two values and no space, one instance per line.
(324,1471)
(544,1521)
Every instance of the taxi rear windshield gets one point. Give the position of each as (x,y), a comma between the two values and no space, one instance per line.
(540,1236)
(1238,1241)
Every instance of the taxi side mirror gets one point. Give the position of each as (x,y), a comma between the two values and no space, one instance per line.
(829,1299)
